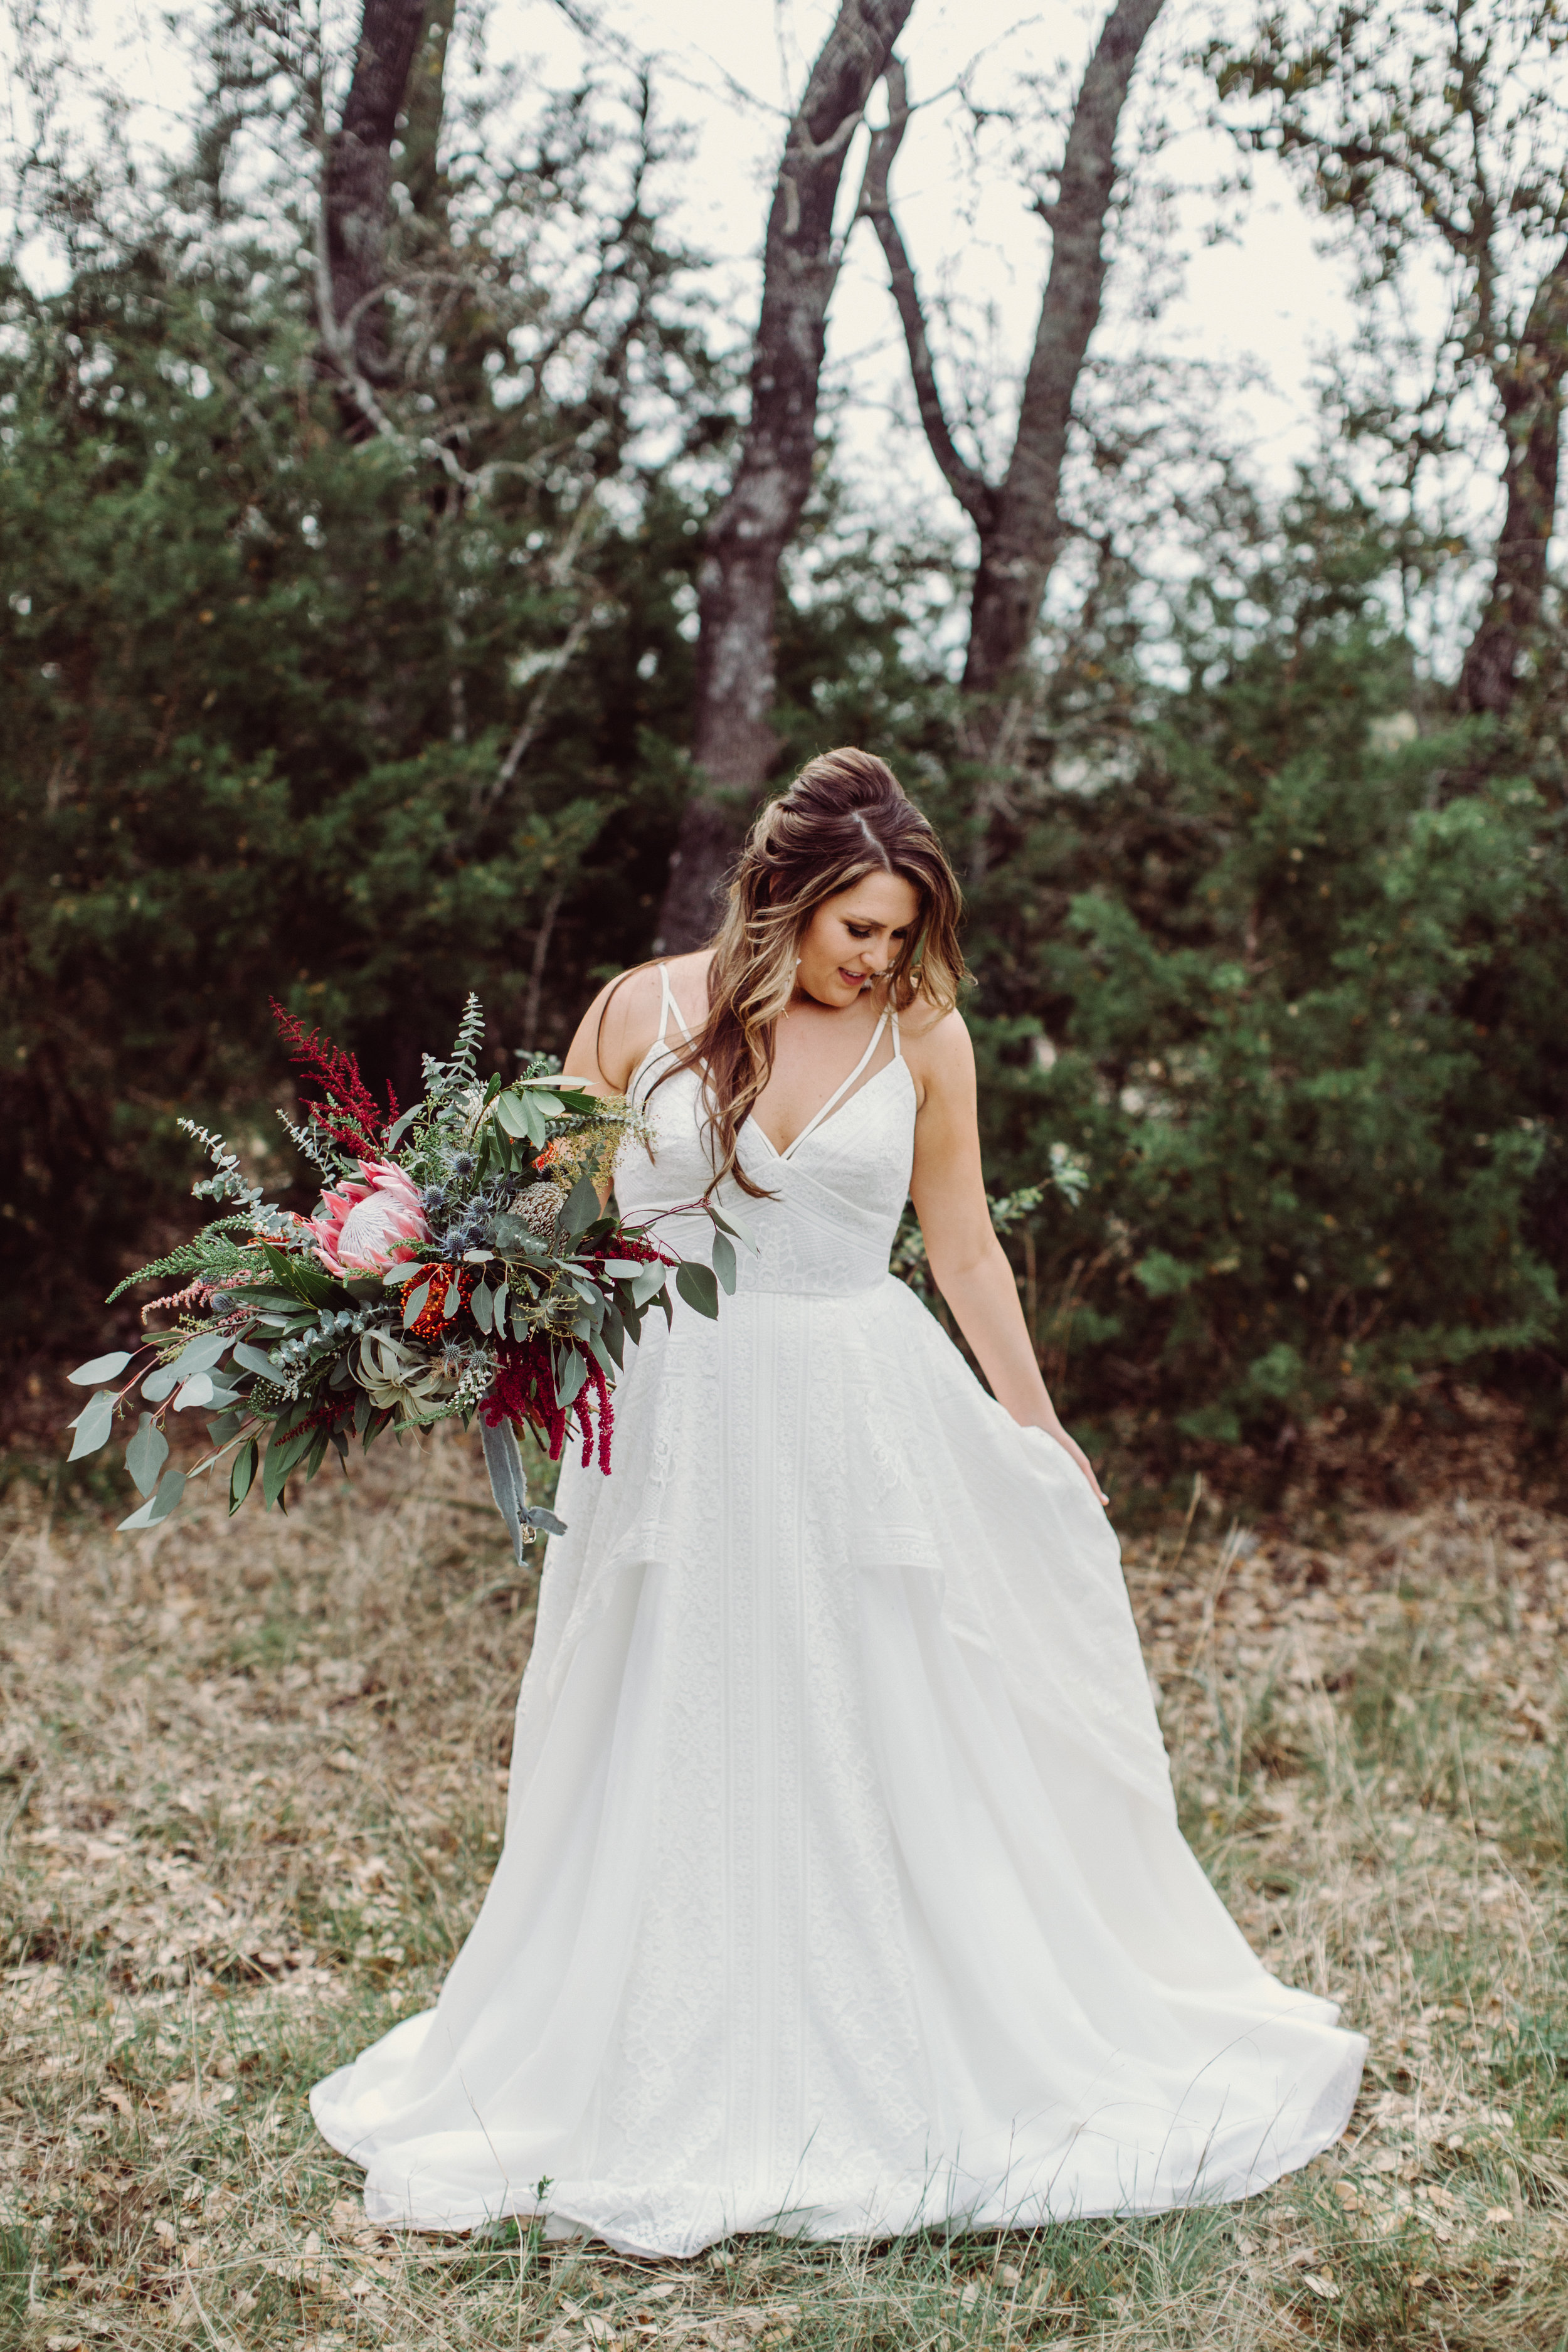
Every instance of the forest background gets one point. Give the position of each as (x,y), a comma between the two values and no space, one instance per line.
(415,570)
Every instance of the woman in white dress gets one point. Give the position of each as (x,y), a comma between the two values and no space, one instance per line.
(842,1891)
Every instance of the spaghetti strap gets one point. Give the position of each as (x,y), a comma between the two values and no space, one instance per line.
(669,1005)
(840,1091)
(898,1049)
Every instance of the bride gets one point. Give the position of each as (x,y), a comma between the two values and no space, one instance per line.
(842,1891)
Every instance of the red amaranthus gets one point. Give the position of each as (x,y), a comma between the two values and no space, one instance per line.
(524,1386)
(350,1113)
(524,1391)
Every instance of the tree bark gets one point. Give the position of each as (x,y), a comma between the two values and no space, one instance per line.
(732,743)
(1019,521)
(1530,387)
(968,484)
(423,108)
(356,183)
(1026,538)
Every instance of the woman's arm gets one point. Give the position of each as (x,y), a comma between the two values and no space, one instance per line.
(967,1262)
(616,1032)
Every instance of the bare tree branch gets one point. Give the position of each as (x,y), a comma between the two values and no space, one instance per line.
(733,745)
(1529,388)
(358,175)
(968,484)
(1027,534)
(486,796)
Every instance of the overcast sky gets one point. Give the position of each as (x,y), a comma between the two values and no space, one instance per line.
(1272,300)
(1265,305)
(732,70)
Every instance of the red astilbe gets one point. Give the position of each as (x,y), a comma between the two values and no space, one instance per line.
(524,1391)
(349,1113)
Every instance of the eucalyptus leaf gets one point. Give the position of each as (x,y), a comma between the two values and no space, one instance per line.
(158,1506)
(510,1111)
(197,1390)
(516,1238)
(200,1354)
(241,1475)
(396,1275)
(508,1484)
(146,1455)
(255,1359)
(537,1125)
(724,1262)
(569,1385)
(480,1303)
(92,1426)
(498,1312)
(401,1125)
(287,1449)
(414,1305)
(160,1384)
(582,1207)
(538,1517)
(698,1287)
(102,1368)
(649,1282)
(732,1224)
(622,1269)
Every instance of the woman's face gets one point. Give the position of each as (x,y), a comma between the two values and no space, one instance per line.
(854,936)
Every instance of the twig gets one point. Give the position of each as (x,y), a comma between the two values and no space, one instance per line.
(536,971)
(1187,1522)
(485,796)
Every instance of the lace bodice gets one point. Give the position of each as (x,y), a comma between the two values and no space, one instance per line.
(838,1192)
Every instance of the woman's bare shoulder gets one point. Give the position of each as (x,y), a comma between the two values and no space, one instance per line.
(689,982)
(937,1031)
(618,1027)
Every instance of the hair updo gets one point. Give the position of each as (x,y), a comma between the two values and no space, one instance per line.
(845,817)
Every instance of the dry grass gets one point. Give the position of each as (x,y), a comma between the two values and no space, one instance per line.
(252,1784)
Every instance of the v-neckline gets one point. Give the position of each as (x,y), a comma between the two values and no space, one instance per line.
(816,1125)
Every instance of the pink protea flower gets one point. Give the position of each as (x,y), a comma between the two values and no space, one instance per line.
(364,1228)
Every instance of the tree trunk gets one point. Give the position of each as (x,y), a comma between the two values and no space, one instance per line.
(423,112)
(733,745)
(357,184)
(1025,537)
(1530,387)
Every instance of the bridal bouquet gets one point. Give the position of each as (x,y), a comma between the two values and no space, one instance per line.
(460,1262)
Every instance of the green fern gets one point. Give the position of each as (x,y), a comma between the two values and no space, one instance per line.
(211,1255)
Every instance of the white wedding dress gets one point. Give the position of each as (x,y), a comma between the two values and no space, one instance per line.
(842,1891)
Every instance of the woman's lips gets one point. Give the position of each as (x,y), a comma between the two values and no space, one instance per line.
(852,979)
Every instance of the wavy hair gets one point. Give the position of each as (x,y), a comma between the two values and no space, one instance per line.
(845,817)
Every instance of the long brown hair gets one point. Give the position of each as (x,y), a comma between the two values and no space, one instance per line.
(845,817)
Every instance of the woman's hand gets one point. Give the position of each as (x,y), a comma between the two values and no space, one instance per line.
(1071,1447)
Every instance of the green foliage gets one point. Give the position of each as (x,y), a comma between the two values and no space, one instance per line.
(1300,974)
(262,679)
(369,720)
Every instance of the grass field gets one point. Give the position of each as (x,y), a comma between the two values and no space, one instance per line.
(252,1782)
